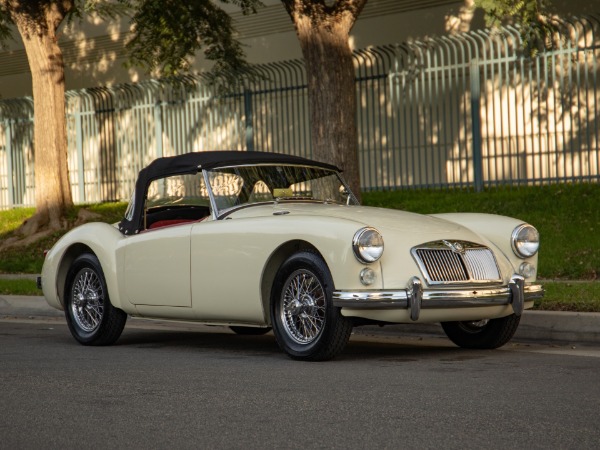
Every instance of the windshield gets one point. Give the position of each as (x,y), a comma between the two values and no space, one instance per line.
(177,190)
(245,185)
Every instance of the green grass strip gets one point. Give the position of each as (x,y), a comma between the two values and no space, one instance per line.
(19,287)
(583,296)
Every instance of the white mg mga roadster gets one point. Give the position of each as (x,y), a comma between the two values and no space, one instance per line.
(259,241)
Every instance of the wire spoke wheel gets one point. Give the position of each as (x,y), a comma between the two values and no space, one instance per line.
(303,306)
(91,317)
(305,323)
(87,306)
(473,326)
(482,334)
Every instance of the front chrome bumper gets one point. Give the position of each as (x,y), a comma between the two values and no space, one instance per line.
(415,297)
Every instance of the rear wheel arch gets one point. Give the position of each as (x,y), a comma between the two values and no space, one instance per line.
(72,253)
(277,258)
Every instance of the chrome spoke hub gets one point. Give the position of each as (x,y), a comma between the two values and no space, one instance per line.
(87,305)
(303,307)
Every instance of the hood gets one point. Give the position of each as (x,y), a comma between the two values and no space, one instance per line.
(387,221)
(380,218)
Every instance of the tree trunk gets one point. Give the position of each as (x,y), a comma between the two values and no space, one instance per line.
(52,189)
(323,32)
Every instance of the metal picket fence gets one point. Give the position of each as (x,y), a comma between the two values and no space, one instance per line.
(455,111)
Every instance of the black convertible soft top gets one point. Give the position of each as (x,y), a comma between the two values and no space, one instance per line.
(194,162)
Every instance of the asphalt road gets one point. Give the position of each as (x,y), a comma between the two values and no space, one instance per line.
(165,386)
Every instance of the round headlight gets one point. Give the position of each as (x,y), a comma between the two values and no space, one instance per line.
(367,245)
(525,241)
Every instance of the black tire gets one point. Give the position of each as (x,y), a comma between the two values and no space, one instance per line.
(91,317)
(249,331)
(306,324)
(482,334)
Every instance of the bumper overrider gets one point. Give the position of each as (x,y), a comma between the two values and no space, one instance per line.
(415,297)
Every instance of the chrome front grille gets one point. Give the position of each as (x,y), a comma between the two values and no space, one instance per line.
(443,265)
(445,262)
(481,264)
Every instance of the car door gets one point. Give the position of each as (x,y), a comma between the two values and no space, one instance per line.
(227,263)
(157,267)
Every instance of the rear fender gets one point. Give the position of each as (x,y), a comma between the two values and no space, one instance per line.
(100,239)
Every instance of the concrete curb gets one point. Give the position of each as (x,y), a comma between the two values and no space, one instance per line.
(544,326)
(18,276)
(23,306)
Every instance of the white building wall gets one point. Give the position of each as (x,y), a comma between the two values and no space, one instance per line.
(94,50)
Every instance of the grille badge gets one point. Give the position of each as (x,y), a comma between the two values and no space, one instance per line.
(456,247)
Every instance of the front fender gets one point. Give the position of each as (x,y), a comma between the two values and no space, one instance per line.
(101,239)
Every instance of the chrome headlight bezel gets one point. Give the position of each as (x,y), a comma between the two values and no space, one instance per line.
(367,245)
(525,241)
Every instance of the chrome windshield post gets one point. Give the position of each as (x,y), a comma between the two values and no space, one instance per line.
(213,202)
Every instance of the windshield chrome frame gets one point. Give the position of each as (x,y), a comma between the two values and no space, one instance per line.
(216,214)
(213,202)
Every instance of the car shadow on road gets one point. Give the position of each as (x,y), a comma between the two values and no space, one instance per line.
(220,340)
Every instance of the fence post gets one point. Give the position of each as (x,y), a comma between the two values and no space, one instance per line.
(249,119)
(80,163)
(158,129)
(476,124)
(9,161)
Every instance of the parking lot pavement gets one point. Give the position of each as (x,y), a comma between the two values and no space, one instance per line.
(543,326)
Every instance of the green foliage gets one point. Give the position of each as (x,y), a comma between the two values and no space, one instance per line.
(11,219)
(72,10)
(109,212)
(5,26)
(566,215)
(29,259)
(167,33)
(574,296)
(524,11)
(107,9)
(19,287)
(533,17)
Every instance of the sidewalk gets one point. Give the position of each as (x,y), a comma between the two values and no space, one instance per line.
(22,306)
(543,326)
